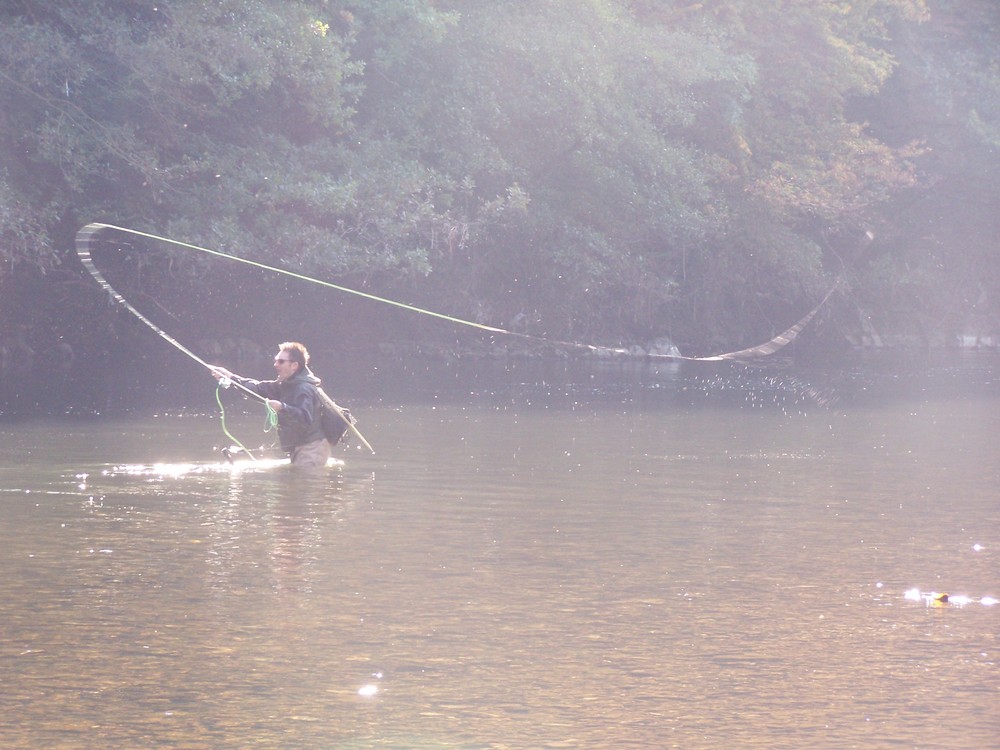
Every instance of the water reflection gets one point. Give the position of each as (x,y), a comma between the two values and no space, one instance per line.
(279,512)
(543,568)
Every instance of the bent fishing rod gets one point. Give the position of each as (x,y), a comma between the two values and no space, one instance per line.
(83,240)
(761,350)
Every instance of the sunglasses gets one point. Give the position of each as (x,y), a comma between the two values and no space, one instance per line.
(279,360)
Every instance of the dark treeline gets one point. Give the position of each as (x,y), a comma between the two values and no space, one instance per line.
(609,171)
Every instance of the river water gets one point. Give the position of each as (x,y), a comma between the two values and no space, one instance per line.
(556,557)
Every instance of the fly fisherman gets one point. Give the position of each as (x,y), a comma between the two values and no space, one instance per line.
(294,394)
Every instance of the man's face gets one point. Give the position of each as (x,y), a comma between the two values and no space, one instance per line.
(285,366)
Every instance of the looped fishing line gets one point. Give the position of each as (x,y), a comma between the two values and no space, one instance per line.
(761,350)
(222,421)
(270,418)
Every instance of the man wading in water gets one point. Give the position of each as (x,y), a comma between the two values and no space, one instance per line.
(295,396)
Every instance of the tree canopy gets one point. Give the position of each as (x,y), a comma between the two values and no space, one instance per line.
(602,169)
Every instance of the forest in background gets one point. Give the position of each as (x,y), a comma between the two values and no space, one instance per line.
(609,171)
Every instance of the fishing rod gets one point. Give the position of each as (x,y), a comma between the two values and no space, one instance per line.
(761,350)
(83,240)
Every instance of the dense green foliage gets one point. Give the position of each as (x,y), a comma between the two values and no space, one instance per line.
(600,169)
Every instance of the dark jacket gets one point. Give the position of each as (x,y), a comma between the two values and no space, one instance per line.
(299,418)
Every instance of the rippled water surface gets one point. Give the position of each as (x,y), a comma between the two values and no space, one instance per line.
(644,560)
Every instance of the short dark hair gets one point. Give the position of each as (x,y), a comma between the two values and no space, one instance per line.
(296,352)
